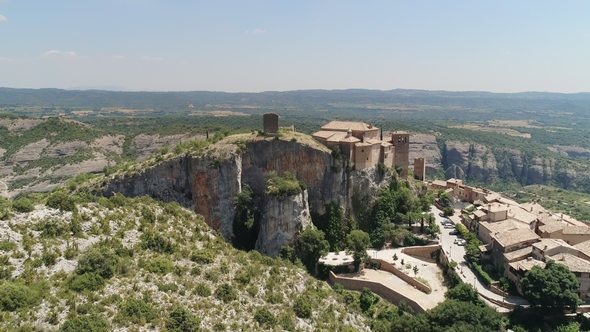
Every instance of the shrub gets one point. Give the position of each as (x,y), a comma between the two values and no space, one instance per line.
(252,290)
(14,296)
(302,308)
(6,245)
(168,287)
(94,323)
(23,205)
(226,293)
(265,318)
(181,320)
(203,256)
(483,275)
(367,300)
(136,311)
(51,227)
(158,265)
(156,242)
(99,260)
(87,281)
(49,257)
(62,201)
(242,278)
(203,290)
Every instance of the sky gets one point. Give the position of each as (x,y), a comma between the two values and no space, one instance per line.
(252,46)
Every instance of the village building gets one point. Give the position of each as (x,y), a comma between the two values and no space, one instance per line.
(361,144)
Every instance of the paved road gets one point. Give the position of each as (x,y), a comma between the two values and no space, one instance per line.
(457,253)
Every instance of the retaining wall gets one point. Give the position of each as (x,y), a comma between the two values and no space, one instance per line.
(422,252)
(377,288)
(385,266)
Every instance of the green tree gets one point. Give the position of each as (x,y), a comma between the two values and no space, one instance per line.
(358,242)
(62,201)
(454,315)
(464,292)
(553,287)
(182,320)
(23,205)
(99,260)
(367,300)
(311,246)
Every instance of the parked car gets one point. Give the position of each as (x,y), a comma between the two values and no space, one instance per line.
(441,214)
(447,226)
(446,222)
(454,232)
(461,242)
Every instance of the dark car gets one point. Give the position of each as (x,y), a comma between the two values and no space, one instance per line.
(454,232)
(441,214)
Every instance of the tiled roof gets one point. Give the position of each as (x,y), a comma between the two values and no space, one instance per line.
(583,247)
(345,125)
(515,236)
(439,183)
(548,244)
(480,213)
(527,264)
(576,230)
(574,264)
(521,215)
(336,137)
(518,254)
(350,139)
(492,197)
(552,227)
(325,133)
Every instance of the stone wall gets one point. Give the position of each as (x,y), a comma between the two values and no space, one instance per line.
(497,290)
(423,253)
(377,288)
(385,266)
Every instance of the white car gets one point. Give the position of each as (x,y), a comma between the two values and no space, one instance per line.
(460,242)
(447,226)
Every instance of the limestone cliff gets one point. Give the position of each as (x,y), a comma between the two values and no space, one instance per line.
(209,182)
(282,219)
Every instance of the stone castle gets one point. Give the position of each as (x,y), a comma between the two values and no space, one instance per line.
(361,144)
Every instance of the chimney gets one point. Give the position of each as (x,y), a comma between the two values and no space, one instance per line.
(529,258)
(348,133)
(545,248)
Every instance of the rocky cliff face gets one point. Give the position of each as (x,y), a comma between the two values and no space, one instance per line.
(483,164)
(282,219)
(209,183)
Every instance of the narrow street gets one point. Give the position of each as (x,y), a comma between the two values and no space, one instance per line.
(457,254)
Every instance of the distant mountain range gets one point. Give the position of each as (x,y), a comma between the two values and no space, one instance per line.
(306,99)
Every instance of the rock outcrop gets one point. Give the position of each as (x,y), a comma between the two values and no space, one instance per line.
(209,183)
(282,219)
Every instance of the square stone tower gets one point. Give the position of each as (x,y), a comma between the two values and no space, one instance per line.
(270,123)
(401,142)
(419,169)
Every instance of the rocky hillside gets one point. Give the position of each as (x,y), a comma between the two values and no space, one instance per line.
(38,154)
(480,163)
(81,263)
(209,179)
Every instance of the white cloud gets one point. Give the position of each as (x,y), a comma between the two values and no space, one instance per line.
(147,58)
(56,52)
(3,18)
(258,30)
(118,57)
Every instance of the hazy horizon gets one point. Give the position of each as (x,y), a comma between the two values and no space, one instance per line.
(257,46)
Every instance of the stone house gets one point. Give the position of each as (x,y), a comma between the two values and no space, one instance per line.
(509,241)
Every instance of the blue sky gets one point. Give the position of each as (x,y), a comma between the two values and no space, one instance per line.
(499,46)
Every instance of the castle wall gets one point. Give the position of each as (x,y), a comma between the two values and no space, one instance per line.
(362,156)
